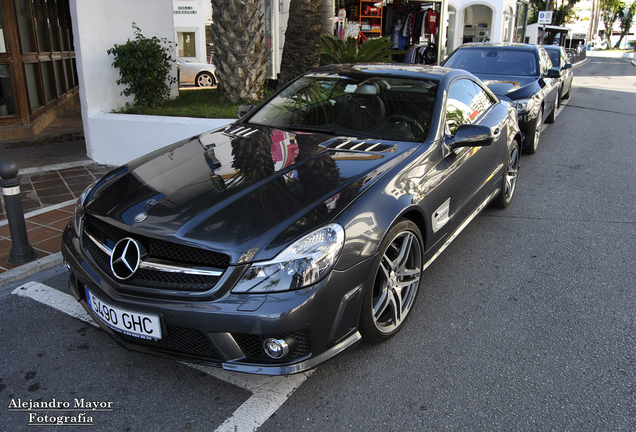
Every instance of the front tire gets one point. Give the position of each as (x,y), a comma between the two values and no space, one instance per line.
(394,282)
(569,93)
(557,101)
(509,182)
(205,79)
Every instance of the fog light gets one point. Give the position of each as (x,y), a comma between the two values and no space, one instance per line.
(276,348)
(67,267)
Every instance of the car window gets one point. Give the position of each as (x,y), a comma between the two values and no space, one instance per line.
(554,57)
(546,63)
(466,103)
(491,60)
(371,107)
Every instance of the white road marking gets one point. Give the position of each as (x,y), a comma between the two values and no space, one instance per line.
(54,298)
(268,393)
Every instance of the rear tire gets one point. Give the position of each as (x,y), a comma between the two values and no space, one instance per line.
(531,147)
(509,181)
(552,117)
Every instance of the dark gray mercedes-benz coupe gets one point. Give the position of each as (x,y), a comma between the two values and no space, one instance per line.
(277,242)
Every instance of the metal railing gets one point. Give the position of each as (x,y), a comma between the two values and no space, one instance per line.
(576,55)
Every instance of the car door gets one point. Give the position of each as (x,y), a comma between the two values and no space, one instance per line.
(551,85)
(473,169)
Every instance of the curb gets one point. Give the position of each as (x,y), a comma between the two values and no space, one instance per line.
(31,268)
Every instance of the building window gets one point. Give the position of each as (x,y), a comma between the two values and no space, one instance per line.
(508,25)
(521,21)
(7,100)
(187,47)
(43,66)
(25,25)
(3,43)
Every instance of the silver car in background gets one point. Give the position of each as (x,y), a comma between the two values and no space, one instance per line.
(199,74)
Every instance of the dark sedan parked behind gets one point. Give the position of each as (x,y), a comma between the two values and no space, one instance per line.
(520,72)
(560,62)
(277,242)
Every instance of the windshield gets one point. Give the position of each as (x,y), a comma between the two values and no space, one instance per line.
(499,61)
(554,57)
(378,107)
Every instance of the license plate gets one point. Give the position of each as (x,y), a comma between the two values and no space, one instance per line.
(144,326)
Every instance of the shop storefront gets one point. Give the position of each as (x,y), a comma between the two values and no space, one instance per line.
(38,78)
(428,30)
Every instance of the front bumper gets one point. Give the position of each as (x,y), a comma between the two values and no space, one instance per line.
(228,330)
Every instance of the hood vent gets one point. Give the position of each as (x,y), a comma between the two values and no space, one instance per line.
(370,146)
(241,131)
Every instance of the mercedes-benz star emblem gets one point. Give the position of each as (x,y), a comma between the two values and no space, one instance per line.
(140,217)
(126,257)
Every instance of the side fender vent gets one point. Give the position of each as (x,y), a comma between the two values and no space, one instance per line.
(369,146)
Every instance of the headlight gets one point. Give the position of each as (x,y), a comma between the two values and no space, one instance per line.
(305,262)
(79,209)
(524,106)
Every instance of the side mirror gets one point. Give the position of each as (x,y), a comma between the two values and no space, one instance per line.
(244,109)
(567,66)
(553,73)
(469,135)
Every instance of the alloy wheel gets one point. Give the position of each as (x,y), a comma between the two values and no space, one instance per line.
(511,176)
(396,282)
(205,80)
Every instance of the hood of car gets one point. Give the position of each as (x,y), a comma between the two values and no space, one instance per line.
(242,188)
(512,86)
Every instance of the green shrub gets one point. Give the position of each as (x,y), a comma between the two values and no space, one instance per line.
(632,45)
(333,50)
(144,66)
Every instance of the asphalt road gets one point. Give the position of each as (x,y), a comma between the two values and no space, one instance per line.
(526,322)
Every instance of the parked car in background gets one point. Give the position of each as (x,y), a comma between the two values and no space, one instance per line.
(272,244)
(521,72)
(199,74)
(560,61)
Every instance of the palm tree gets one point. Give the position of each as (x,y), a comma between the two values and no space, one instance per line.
(240,51)
(611,11)
(302,40)
(626,17)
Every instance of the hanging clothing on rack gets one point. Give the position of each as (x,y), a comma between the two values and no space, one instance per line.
(431,22)
(399,41)
(408,26)
(421,54)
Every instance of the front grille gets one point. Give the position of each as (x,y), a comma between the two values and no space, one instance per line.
(160,248)
(252,345)
(180,340)
(174,253)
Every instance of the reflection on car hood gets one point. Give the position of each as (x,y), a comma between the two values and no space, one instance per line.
(239,188)
(515,87)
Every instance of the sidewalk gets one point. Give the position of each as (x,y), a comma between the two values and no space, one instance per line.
(53,172)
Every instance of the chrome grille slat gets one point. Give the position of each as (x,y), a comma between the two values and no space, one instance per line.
(168,265)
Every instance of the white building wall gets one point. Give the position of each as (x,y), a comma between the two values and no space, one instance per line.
(190,17)
(97,26)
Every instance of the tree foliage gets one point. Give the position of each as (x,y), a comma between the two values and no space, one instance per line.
(144,66)
(562,13)
(611,10)
(334,50)
(626,17)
